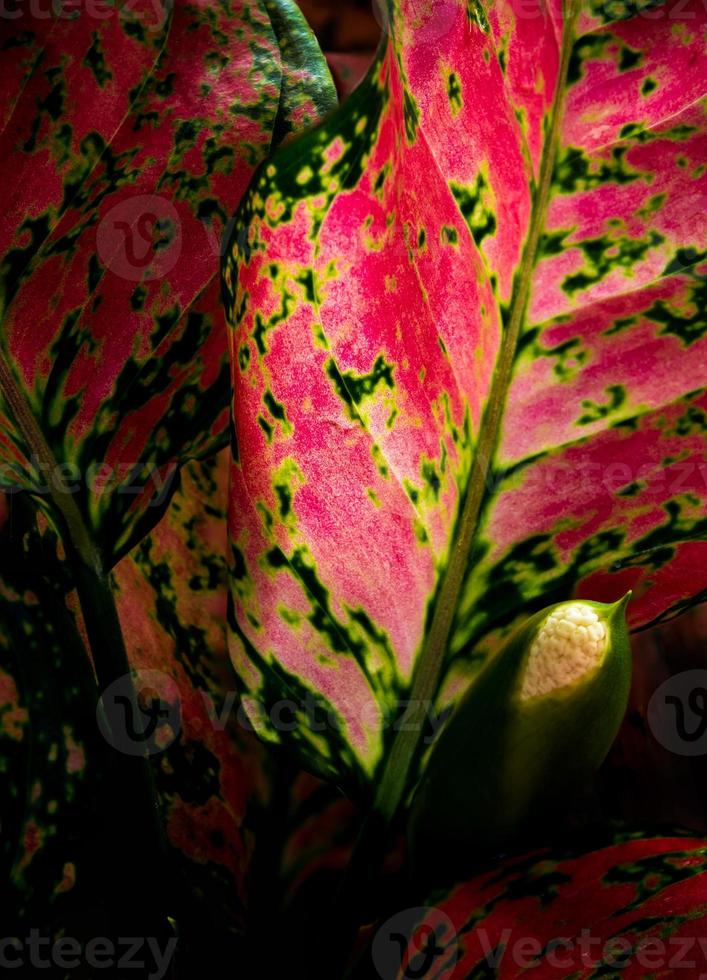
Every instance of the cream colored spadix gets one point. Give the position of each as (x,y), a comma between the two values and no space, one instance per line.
(570,643)
(535,724)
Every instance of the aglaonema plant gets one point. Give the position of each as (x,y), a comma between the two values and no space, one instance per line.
(630,906)
(128,138)
(466,312)
(462,400)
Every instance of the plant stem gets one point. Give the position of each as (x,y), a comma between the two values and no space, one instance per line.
(394,783)
(62,500)
(135,845)
(134,880)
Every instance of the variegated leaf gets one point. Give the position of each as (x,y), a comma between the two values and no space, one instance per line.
(52,759)
(129,137)
(213,780)
(634,908)
(212,776)
(468,352)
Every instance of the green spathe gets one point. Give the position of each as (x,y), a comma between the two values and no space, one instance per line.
(513,751)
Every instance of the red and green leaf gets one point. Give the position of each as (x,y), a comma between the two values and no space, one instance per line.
(214,779)
(212,782)
(128,141)
(477,281)
(638,903)
(113,371)
(52,764)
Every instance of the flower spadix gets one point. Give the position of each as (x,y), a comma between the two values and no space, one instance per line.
(535,724)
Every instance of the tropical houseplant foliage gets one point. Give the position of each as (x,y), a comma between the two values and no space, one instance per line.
(393,401)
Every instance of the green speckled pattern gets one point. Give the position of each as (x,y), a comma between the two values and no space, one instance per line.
(128,142)
(485,270)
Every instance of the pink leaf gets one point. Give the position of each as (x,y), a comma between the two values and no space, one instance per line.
(467,351)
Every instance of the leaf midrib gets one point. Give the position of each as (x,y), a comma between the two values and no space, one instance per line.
(75,525)
(15,398)
(394,780)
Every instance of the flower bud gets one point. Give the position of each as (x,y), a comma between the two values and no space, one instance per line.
(533,727)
